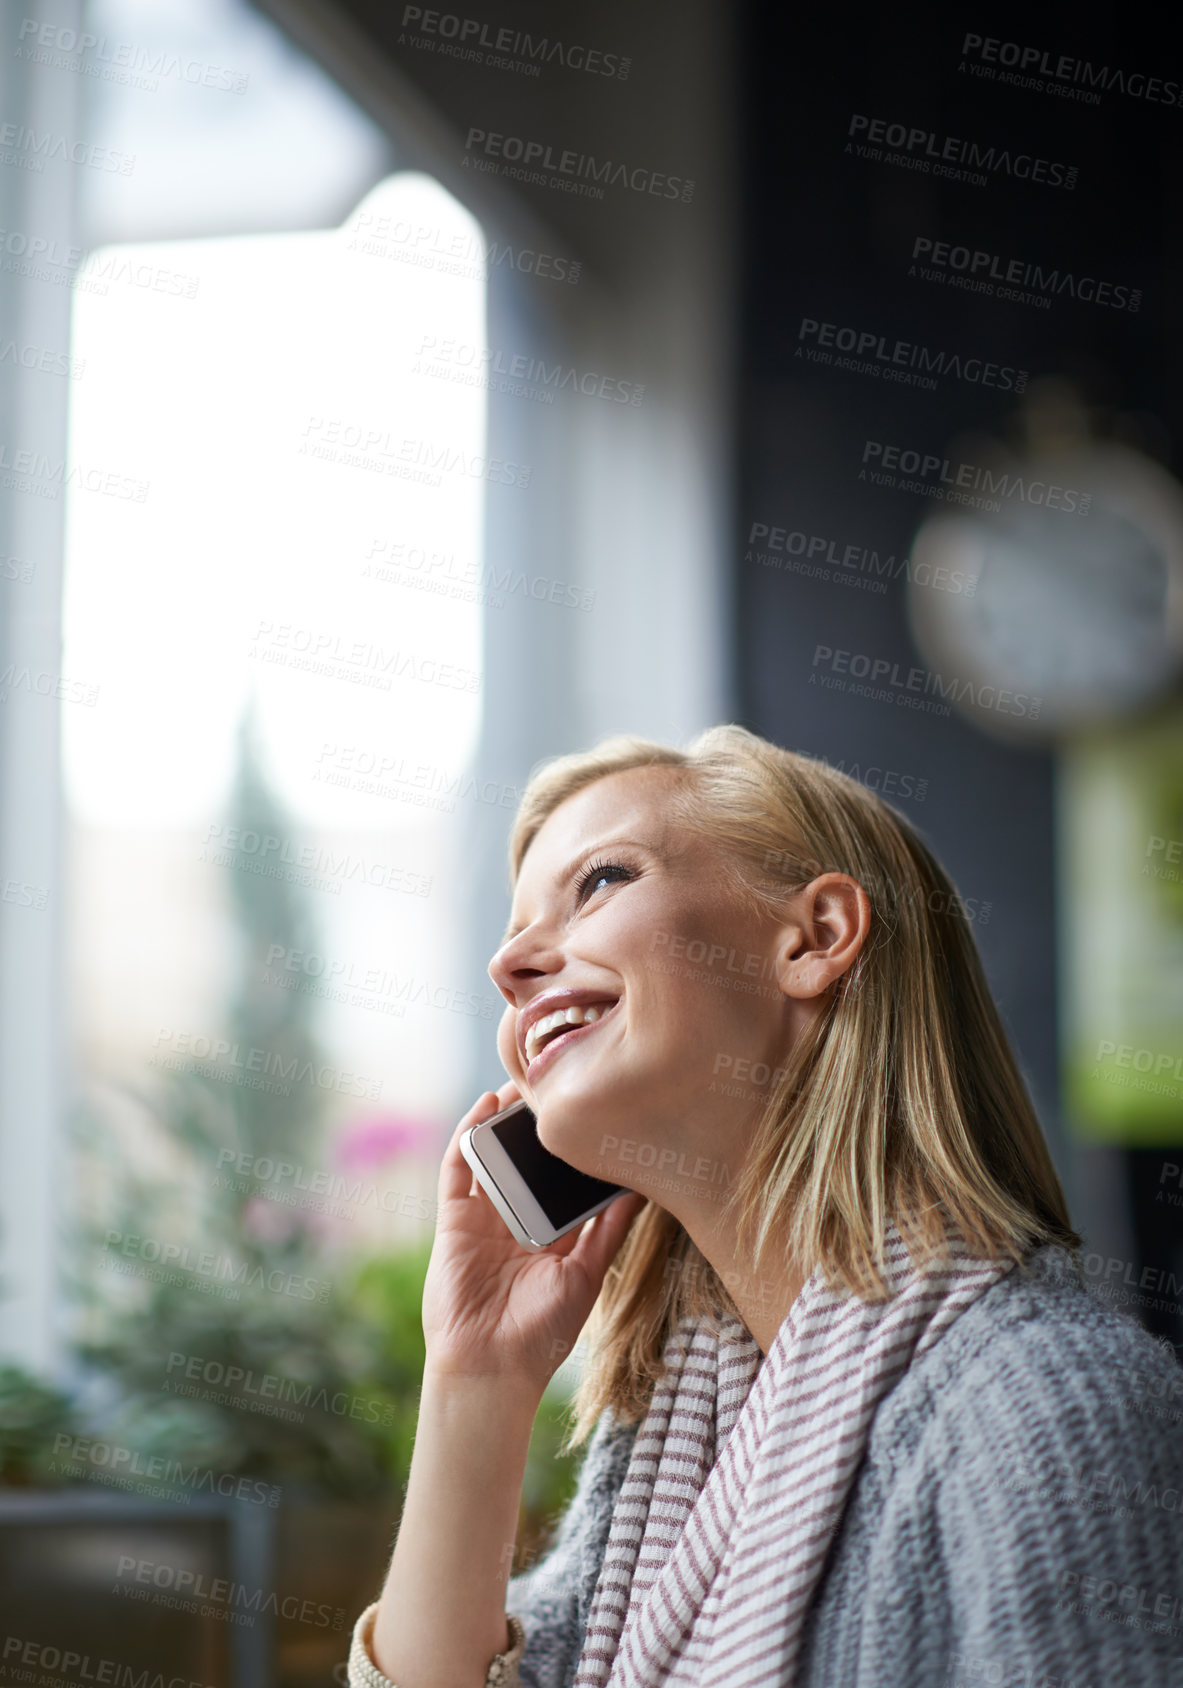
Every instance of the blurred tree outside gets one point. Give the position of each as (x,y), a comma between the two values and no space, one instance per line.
(32,1417)
(314,1391)
(238,1353)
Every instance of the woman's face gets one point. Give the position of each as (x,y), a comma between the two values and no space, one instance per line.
(629,910)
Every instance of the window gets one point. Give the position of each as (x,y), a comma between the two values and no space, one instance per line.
(262,582)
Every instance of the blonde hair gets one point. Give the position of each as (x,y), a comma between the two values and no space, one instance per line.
(906,1102)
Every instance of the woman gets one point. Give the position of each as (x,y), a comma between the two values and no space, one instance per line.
(855,1419)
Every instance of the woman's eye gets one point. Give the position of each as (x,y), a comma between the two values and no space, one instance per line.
(601,871)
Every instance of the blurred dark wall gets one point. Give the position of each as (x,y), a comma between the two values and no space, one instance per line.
(762,123)
(830,236)
(667,112)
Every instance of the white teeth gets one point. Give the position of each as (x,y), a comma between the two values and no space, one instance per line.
(576,1015)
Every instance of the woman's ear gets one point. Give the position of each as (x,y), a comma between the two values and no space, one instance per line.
(829,924)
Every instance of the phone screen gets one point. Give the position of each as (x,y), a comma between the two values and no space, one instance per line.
(561,1191)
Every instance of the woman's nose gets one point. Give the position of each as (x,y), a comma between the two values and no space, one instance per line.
(526,955)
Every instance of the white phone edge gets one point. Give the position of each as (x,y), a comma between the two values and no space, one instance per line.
(501,1181)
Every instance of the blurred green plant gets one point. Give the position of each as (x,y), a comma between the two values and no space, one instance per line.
(222,1337)
(194,1357)
(32,1416)
(548,1483)
(388,1297)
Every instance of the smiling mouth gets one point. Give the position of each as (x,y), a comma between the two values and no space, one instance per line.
(593,1013)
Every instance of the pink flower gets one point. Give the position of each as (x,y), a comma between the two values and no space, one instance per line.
(380,1137)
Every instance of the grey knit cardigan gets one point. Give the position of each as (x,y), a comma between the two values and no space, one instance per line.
(1016,1520)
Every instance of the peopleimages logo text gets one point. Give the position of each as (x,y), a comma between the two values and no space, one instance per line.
(883,673)
(535,50)
(866,344)
(125,55)
(989,272)
(981,477)
(1063,68)
(919,142)
(185,1585)
(35,148)
(584,167)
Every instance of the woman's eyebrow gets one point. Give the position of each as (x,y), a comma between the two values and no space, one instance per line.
(591,850)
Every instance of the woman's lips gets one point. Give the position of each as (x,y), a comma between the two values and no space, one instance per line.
(554,1044)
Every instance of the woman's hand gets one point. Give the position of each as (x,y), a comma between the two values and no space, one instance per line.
(492,1308)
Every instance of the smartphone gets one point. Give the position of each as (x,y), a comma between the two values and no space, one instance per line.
(539,1196)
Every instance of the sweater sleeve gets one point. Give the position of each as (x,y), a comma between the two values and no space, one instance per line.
(553,1598)
(1053,1474)
(364,1673)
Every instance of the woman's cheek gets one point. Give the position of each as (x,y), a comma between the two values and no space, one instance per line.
(506,1043)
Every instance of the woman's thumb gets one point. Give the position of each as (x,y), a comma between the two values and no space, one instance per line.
(602,1236)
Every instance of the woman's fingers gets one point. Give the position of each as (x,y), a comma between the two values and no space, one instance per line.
(602,1236)
(456,1176)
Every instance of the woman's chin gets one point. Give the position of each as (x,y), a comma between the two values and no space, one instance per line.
(571,1130)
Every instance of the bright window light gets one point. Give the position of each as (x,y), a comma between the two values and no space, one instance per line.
(247,527)
(245,425)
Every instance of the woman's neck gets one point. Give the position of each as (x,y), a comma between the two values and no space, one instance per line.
(762,1298)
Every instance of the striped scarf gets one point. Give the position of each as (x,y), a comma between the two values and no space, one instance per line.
(739,1475)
